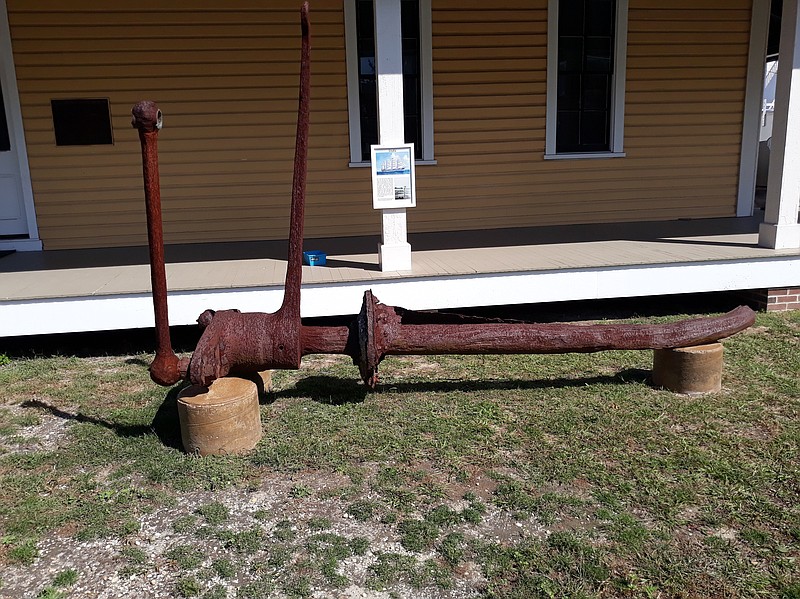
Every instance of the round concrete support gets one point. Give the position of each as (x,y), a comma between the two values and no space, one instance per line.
(690,370)
(221,419)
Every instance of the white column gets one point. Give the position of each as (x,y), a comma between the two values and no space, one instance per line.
(394,251)
(780,229)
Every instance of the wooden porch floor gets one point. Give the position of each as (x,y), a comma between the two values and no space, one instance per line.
(124,271)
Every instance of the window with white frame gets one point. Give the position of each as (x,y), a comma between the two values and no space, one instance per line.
(587,42)
(417,76)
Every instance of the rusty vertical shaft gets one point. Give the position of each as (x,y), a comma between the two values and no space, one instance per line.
(294,270)
(236,342)
(165,368)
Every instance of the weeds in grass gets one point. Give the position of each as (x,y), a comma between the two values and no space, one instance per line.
(185,557)
(63,579)
(135,560)
(417,535)
(262,515)
(299,492)
(223,567)
(66,578)
(188,586)
(246,541)
(22,552)
(214,513)
(319,523)
(391,568)
(257,589)
(185,524)
(216,592)
(362,510)
(284,530)
(452,548)
(50,593)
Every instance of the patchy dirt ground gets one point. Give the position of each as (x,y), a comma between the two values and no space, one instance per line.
(265,532)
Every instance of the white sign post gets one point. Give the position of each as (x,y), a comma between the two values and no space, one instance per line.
(394,251)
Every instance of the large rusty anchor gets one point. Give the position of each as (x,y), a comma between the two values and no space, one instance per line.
(243,343)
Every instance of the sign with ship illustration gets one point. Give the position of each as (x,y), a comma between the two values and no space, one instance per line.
(393,183)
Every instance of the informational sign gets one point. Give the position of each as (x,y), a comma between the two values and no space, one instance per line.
(393,182)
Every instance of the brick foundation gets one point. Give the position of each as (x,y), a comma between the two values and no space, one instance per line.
(773,300)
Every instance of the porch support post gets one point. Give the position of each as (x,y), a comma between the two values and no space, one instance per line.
(780,229)
(394,251)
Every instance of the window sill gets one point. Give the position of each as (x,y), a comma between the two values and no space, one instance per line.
(584,156)
(416,163)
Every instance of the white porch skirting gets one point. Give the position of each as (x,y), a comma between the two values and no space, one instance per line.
(129,311)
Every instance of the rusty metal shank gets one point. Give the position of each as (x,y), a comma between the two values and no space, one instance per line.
(382,332)
(166,368)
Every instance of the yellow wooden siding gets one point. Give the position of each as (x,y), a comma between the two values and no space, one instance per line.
(225,76)
(683,119)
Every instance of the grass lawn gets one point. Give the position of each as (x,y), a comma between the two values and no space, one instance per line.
(462,476)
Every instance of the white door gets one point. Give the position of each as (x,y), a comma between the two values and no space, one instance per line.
(13,220)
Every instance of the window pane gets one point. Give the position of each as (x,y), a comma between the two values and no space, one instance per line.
(569,91)
(412,125)
(585,65)
(412,86)
(570,54)
(600,17)
(594,92)
(594,130)
(412,97)
(598,55)
(570,17)
(365,23)
(567,131)
(409,18)
(82,122)
(5,141)
(366,65)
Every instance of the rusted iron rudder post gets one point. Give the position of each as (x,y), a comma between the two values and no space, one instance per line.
(243,343)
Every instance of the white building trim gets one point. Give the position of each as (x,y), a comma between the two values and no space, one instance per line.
(11,99)
(780,229)
(751,127)
(98,313)
(617,95)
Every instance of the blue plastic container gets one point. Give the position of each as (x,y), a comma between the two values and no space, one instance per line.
(315,258)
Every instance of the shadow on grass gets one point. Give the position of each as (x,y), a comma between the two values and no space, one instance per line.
(332,391)
(165,424)
(338,391)
(137,362)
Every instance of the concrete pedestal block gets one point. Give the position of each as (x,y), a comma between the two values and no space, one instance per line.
(690,370)
(222,419)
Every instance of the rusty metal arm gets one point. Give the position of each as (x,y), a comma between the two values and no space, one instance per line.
(166,368)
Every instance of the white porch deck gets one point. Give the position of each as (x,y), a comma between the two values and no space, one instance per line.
(89,290)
